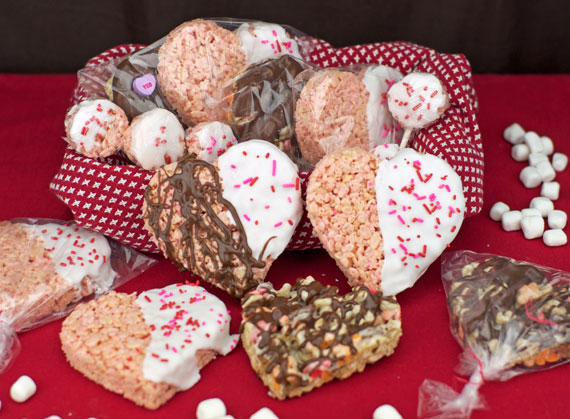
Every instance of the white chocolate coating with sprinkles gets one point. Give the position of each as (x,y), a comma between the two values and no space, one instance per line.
(155,138)
(209,140)
(417,100)
(420,210)
(76,253)
(261,40)
(382,128)
(183,319)
(263,185)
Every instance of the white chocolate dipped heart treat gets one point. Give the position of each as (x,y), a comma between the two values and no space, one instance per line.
(384,222)
(417,101)
(228,221)
(261,40)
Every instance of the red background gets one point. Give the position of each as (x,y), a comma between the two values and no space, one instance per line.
(30,130)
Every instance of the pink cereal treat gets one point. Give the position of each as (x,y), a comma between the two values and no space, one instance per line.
(149,347)
(154,138)
(209,140)
(331,114)
(385,222)
(47,267)
(197,59)
(95,128)
(231,219)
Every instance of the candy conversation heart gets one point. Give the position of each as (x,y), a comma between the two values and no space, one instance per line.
(385,222)
(228,221)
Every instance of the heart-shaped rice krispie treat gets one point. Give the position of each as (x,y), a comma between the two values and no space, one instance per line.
(384,222)
(149,347)
(303,336)
(229,221)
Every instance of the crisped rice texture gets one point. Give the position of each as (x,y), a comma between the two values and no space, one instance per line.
(341,204)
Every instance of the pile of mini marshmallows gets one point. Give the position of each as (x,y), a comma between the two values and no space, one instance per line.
(529,146)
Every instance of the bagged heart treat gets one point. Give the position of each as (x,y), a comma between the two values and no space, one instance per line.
(384,221)
(305,335)
(148,347)
(99,191)
(48,266)
(229,221)
(509,317)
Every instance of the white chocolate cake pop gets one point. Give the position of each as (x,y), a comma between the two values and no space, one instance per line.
(209,140)
(417,101)
(261,40)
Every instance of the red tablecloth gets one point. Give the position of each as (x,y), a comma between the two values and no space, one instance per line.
(32,112)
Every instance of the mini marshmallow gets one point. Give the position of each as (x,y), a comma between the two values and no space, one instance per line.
(23,389)
(386,411)
(557,219)
(550,190)
(532,140)
(535,158)
(264,413)
(547,145)
(529,212)
(211,409)
(497,210)
(546,171)
(511,220)
(514,134)
(530,177)
(520,152)
(559,161)
(532,227)
(544,205)
(554,237)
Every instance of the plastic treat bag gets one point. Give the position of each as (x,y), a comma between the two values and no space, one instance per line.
(48,267)
(344,107)
(510,318)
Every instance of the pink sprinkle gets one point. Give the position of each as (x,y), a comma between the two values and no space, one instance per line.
(419,198)
(213,140)
(401,219)
(233,166)
(443,185)
(274,168)
(289,185)
(278,224)
(432,197)
(237,186)
(246,217)
(334,212)
(289,199)
(404,208)
(392,212)
(404,248)
(267,207)
(174,350)
(393,250)
(417,162)
(451,209)
(419,220)
(274,33)
(385,134)
(247,180)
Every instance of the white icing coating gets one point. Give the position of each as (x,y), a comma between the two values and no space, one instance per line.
(89,120)
(420,211)
(417,100)
(263,185)
(382,128)
(183,319)
(157,138)
(214,138)
(76,253)
(386,151)
(261,40)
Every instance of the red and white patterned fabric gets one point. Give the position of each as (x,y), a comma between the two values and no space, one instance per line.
(106,195)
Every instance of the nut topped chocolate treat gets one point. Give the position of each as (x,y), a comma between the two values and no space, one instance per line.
(512,310)
(305,335)
(134,86)
(263,102)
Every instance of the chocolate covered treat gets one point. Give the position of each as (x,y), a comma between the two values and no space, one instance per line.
(513,311)
(263,104)
(303,336)
(134,87)
(229,221)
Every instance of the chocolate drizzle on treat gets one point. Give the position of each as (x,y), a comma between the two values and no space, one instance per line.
(187,204)
(310,330)
(498,302)
(263,102)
